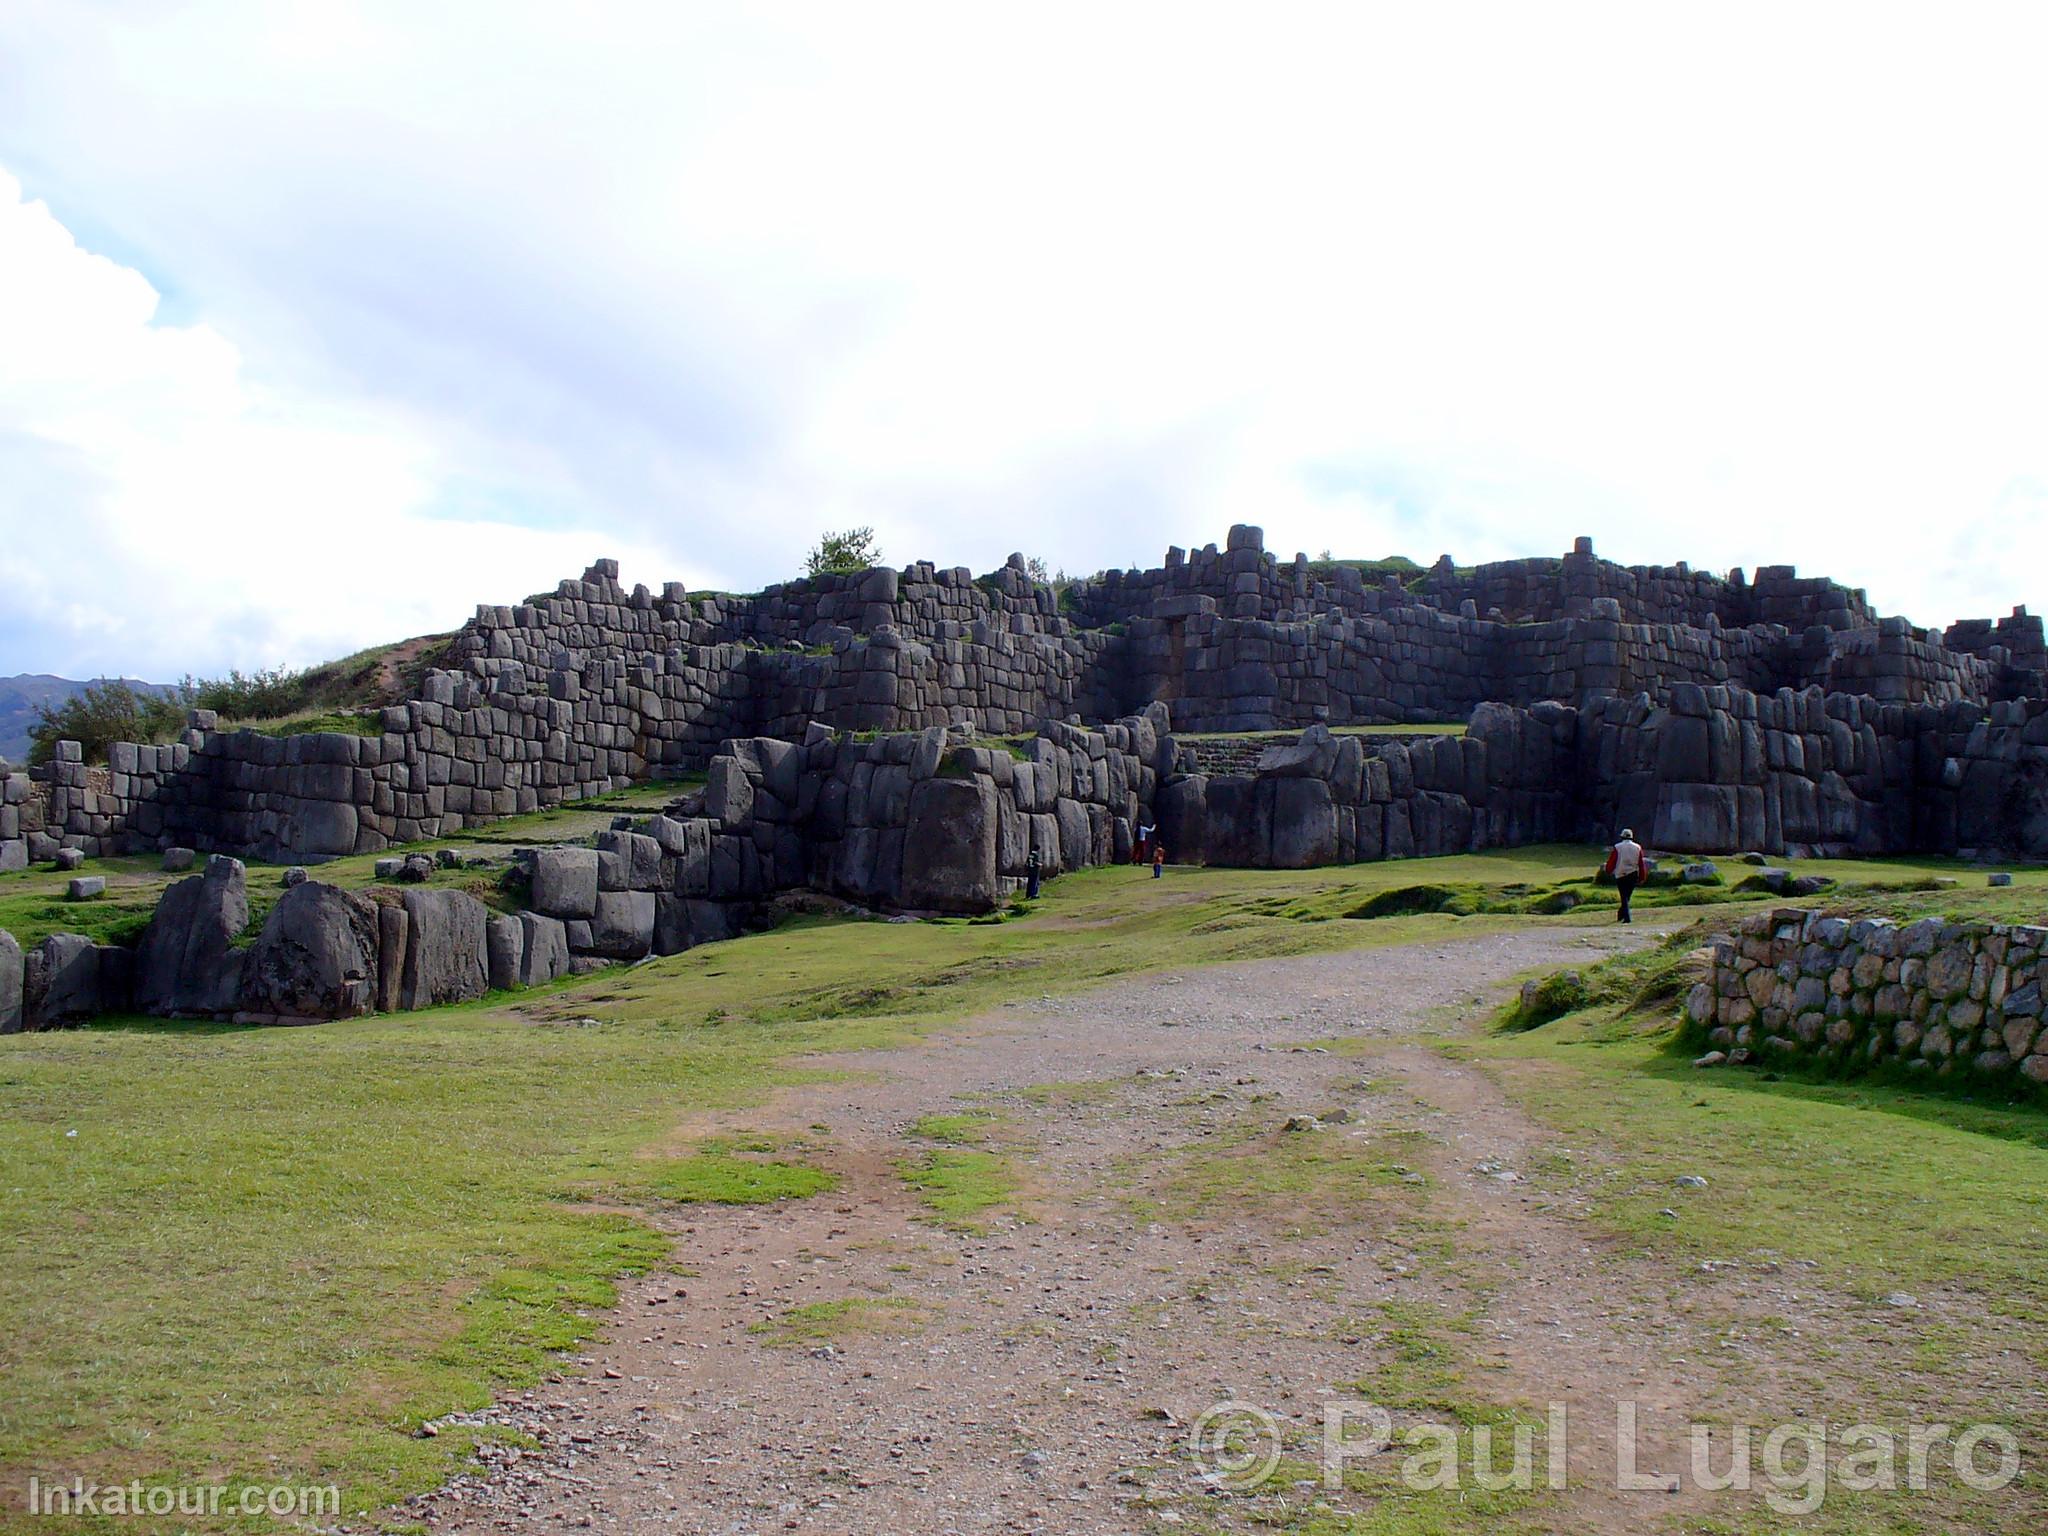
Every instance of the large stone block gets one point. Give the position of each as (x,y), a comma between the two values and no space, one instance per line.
(670,833)
(1399,839)
(681,923)
(544,949)
(1684,751)
(775,765)
(1313,755)
(1240,822)
(565,882)
(889,795)
(1013,837)
(1696,818)
(394,929)
(1347,776)
(644,861)
(504,952)
(692,866)
(628,861)
(61,982)
(1077,841)
(1369,832)
(928,753)
(949,846)
(622,928)
(1304,824)
(320,827)
(854,868)
(729,795)
(1182,809)
(445,955)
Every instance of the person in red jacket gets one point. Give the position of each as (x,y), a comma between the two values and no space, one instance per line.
(1625,863)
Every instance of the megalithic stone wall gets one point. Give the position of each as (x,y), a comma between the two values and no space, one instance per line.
(1716,770)
(1330,799)
(873,650)
(915,822)
(1945,999)
(593,685)
(1722,769)
(1711,769)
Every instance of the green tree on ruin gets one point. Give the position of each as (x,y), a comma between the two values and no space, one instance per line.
(854,549)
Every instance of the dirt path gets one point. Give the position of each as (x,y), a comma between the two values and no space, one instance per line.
(846,1364)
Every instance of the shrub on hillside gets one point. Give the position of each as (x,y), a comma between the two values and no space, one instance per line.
(102,715)
(263,694)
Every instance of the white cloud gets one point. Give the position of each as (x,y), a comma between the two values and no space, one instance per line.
(701,283)
(164,513)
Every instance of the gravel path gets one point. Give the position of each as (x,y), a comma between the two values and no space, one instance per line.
(1045,1375)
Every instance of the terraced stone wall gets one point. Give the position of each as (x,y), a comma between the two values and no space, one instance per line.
(593,685)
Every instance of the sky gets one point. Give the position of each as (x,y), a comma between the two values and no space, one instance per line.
(321,324)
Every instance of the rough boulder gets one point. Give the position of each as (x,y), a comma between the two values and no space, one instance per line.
(187,963)
(316,957)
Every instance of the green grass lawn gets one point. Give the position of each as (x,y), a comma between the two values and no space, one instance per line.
(269,1254)
(1885,1188)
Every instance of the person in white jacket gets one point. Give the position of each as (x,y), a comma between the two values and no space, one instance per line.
(1625,863)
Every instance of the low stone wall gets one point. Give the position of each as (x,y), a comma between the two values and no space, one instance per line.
(1946,999)
(922,821)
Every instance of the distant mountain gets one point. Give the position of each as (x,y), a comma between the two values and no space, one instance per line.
(19,697)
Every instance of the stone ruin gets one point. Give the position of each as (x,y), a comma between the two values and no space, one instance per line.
(914,739)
